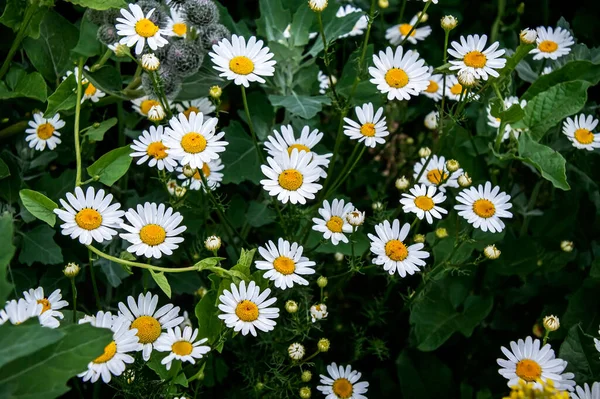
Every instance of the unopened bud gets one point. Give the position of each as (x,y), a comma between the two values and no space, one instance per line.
(384,4)
(464,180)
(150,62)
(322,282)
(355,218)
(305,393)
(215,92)
(296,351)
(156,113)
(213,243)
(291,306)
(424,16)
(551,323)
(323,345)
(317,5)
(338,256)
(431,120)
(377,206)
(452,165)
(491,252)
(441,232)
(449,22)
(424,152)
(188,171)
(528,36)
(567,246)
(419,238)
(402,183)
(71,270)
(466,78)
(201,292)
(306,376)
(121,50)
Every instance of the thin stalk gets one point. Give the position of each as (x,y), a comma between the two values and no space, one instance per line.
(498,21)
(76,127)
(326,59)
(13,129)
(96,292)
(343,177)
(102,61)
(412,28)
(251,126)
(141,265)
(402,9)
(29,12)
(441,121)
(74,290)
(136,80)
(530,205)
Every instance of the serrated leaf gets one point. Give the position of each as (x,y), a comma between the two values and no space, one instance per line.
(96,133)
(244,263)
(107,79)
(111,166)
(7,251)
(304,106)
(209,325)
(241,160)
(63,99)
(39,205)
(548,162)
(162,282)
(25,339)
(31,86)
(572,71)
(38,246)
(200,83)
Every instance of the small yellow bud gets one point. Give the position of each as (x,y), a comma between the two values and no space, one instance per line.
(449,22)
(322,282)
(305,393)
(71,270)
(441,232)
(452,165)
(201,292)
(306,376)
(323,345)
(291,306)
(215,92)
(419,238)
(551,323)
(384,4)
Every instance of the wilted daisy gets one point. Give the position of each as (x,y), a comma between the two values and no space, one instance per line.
(552,43)
(423,201)
(580,132)
(90,216)
(471,56)
(200,105)
(436,173)
(586,392)
(248,309)
(529,362)
(436,86)
(149,145)
(292,177)
(181,345)
(143,105)
(17,312)
(496,122)
(50,305)
(284,263)
(148,321)
(176,24)
(44,132)
(137,29)
(154,230)
(484,206)
(400,75)
(334,223)
(372,127)
(342,383)
(242,62)
(193,140)
(360,25)
(397,33)
(324,82)
(211,172)
(392,252)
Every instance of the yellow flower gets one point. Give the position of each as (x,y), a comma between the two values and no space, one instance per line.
(527,391)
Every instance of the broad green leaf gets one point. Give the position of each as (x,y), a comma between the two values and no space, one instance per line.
(100,4)
(240,29)
(273,19)
(64,98)
(38,246)
(162,282)
(301,23)
(575,70)
(584,298)
(209,325)
(579,351)
(115,273)
(424,376)
(259,214)
(14,13)
(25,339)
(304,106)
(97,131)
(11,184)
(200,83)
(547,161)
(241,160)
(262,114)
(7,251)
(88,44)
(39,205)
(244,263)
(107,79)
(361,244)
(511,115)
(111,166)
(4,171)
(30,86)
(334,28)
(519,256)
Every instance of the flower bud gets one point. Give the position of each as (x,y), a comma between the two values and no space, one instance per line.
(318,312)
(107,34)
(305,393)
(449,22)
(322,282)
(306,376)
(424,18)
(338,256)
(491,252)
(355,218)
(150,62)
(431,120)
(377,206)
(424,152)
(291,306)
(71,270)
(323,345)
(551,323)
(215,92)
(185,57)
(464,180)
(296,351)
(419,238)
(317,5)
(441,232)
(567,246)
(201,292)
(521,8)
(467,78)
(156,113)
(121,50)
(213,34)
(402,183)
(384,4)
(188,171)
(528,36)
(171,186)
(410,141)
(180,191)
(452,165)
(259,386)
(213,243)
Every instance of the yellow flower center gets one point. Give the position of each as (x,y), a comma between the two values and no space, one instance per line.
(456,89)
(291,179)
(247,310)
(528,370)
(109,352)
(436,176)
(146,105)
(191,109)
(284,265)
(405,28)
(368,129)
(193,143)
(424,202)
(45,304)
(153,234)
(433,87)
(180,29)
(45,131)
(205,172)
(484,208)
(299,147)
(182,348)
(335,224)
(145,28)
(475,59)
(548,46)
(584,136)
(396,250)
(241,65)
(88,219)
(90,90)
(148,329)
(157,150)
(342,388)
(396,77)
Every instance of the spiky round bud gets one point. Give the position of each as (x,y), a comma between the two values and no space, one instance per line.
(322,282)
(111,15)
(441,232)
(213,243)
(424,152)
(306,376)
(185,57)
(213,34)
(259,386)
(201,13)
(71,270)
(107,34)
(159,16)
(291,306)
(419,238)
(95,16)
(491,252)
(567,246)
(296,351)
(449,22)
(305,393)
(323,345)
(161,52)
(551,323)
(402,183)
(452,165)
(168,79)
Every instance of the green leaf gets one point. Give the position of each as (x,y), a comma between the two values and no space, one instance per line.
(107,79)
(4,171)
(574,70)
(96,132)
(259,214)
(7,251)
(111,166)
(334,28)
(511,115)
(13,16)
(273,19)
(262,114)
(162,282)
(64,98)
(209,325)
(30,86)
(88,44)
(100,4)
(579,351)
(39,205)
(240,160)
(301,23)
(25,339)
(304,106)
(38,246)
(424,376)
(200,83)
(244,263)
(361,244)
(547,161)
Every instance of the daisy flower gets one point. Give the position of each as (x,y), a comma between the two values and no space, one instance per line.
(19,311)
(399,74)
(436,85)
(324,82)
(397,33)
(454,89)
(50,305)
(113,360)
(211,172)
(181,346)
(580,132)
(91,92)
(372,127)
(284,263)
(143,105)
(90,216)
(147,321)
(242,62)
(342,383)
(176,25)
(193,141)
(149,145)
(44,132)
(423,201)
(436,173)
(484,206)
(246,310)
(471,56)
(552,43)
(154,230)
(75,72)
(529,362)
(318,312)
(334,223)
(137,29)
(586,392)
(496,122)
(200,105)
(292,177)
(360,25)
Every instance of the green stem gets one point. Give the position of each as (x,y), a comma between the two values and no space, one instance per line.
(76,127)
(441,121)
(326,57)
(344,176)
(96,292)
(251,126)
(498,21)
(13,129)
(136,80)
(156,82)
(412,28)
(402,9)
(29,12)
(546,335)
(74,290)
(141,265)
(530,205)
(102,61)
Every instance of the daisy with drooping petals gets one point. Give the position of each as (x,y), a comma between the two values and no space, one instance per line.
(342,383)
(176,25)
(552,43)
(211,172)
(137,29)
(392,252)
(496,122)
(149,145)
(284,263)
(400,75)
(397,33)
(372,127)
(586,392)
(292,177)
(528,362)
(436,86)
(580,132)
(423,201)
(154,230)
(19,311)
(246,310)
(148,321)
(200,105)
(50,305)
(193,141)
(360,25)
(242,62)
(484,206)
(44,132)
(471,56)
(334,223)
(143,105)
(436,173)
(181,346)
(324,82)
(90,216)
